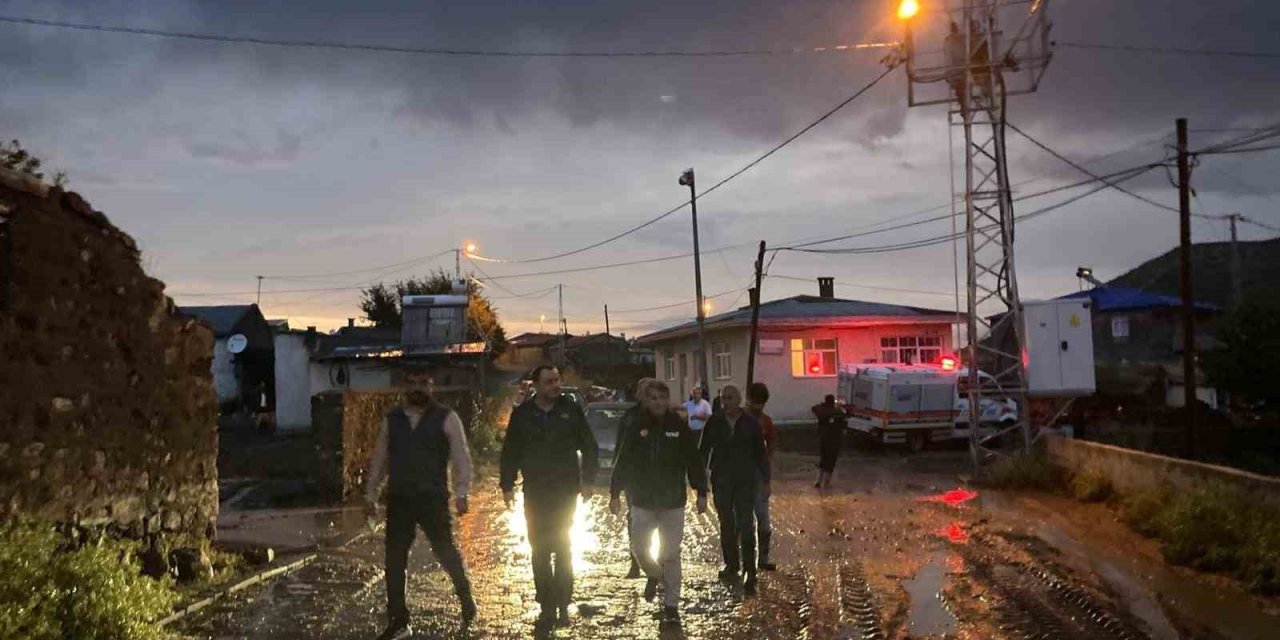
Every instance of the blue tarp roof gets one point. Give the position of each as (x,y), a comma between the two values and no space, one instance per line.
(1125,299)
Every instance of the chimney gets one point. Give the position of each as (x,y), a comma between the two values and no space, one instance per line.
(310,340)
(826,287)
(351,322)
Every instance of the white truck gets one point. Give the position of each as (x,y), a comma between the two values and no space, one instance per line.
(914,404)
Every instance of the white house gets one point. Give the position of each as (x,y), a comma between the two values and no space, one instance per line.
(803,340)
(243,352)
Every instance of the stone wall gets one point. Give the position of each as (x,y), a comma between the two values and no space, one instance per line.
(107,412)
(1133,471)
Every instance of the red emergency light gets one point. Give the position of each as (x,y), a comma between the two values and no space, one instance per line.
(815,367)
(948,363)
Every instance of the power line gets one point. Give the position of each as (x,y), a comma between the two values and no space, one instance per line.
(867,286)
(432,51)
(717,185)
(1168,50)
(677,304)
(331,274)
(1259,224)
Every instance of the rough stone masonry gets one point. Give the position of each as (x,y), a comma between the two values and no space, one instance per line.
(107,413)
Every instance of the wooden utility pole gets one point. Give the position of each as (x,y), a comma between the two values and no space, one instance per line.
(755,317)
(564,353)
(608,340)
(1237,286)
(687,179)
(259,302)
(1188,305)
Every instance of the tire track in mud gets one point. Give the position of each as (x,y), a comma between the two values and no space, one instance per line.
(1036,600)
(859,615)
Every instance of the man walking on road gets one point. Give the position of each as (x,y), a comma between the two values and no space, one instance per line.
(757,398)
(544,438)
(659,455)
(628,418)
(698,410)
(734,449)
(416,446)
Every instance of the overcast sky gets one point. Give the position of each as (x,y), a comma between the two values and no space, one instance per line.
(228,161)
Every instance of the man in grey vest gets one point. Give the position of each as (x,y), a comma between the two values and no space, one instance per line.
(415,448)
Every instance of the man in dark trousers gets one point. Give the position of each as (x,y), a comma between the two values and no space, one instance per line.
(831,426)
(657,458)
(417,444)
(544,438)
(734,449)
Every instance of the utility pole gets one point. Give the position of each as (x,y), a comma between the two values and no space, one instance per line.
(608,339)
(457,264)
(686,179)
(564,354)
(1188,306)
(755,317)
(259,302)
(1237,286)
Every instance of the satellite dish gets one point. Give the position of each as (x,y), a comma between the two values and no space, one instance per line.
(237,343)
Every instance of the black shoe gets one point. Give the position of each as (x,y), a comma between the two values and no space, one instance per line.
(729,575)
(749,587)
(468,611)
(768,566)
(397,631)
(634,571)
(671,614)
(563,619)
(650,588)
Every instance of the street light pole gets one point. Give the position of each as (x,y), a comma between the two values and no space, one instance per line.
(686,179)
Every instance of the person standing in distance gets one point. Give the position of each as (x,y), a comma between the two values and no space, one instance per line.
(659,455)
(757,398)
(544,437)
(416,445)
(698,410)
(831,425)
(733,448)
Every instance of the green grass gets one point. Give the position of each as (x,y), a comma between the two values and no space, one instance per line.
(1025,471)
(54,590)
(1091,485)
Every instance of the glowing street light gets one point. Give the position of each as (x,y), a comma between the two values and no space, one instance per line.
(470,249)
(908,9)
(706,308)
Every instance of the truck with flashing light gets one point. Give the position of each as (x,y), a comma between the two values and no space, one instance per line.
(916,404)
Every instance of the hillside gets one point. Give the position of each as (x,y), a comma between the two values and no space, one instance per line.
(1211,271)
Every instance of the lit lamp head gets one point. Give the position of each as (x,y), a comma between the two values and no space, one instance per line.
(907,9)
(469,248)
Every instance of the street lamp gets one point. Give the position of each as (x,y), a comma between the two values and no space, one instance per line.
(908,9)
(706,307)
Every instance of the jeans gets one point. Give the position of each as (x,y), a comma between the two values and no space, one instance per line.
(764,526)
(669,523)
(431,513)
(549,518)
(735,510)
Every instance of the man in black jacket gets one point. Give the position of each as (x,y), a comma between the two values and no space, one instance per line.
(657,456)
(734,448)
(544,438)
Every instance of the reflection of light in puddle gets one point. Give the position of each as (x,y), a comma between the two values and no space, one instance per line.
(952,498)
(927,616)
(582,538)
(955,533)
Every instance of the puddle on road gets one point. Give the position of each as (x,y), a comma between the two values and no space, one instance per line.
(927,616)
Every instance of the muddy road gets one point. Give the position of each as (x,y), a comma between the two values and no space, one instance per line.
(897,548)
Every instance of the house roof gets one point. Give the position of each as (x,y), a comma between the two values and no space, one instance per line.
(810,310)
(533,339)
(592,338)
(353,342)
(1110,298)
(222,318)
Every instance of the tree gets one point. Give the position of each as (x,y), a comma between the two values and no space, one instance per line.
(381,306)
(15,158)
(1247,360)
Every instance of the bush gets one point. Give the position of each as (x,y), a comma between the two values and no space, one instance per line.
(1142,510)
(1091,485)
(52,590)
(490,422)
(1026,471)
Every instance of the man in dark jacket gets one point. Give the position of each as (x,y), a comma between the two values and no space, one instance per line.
(734,449)
(657,458)
(624,424)
(416,447)
(544,438)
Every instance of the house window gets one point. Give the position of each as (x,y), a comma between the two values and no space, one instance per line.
(722,367)
(1120,328)
(813,358)
(910,349)
(668,366)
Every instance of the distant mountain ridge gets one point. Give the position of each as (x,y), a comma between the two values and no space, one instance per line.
(1211,272)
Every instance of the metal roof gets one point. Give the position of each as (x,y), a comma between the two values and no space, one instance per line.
(222,318)
(1126,299)
(814,309)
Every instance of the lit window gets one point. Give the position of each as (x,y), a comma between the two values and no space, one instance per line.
(813,358)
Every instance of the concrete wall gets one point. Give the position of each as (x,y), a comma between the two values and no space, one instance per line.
(108,413)
(293,382)
(361,376)
(225,382)
(1132,471)
(790,397)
